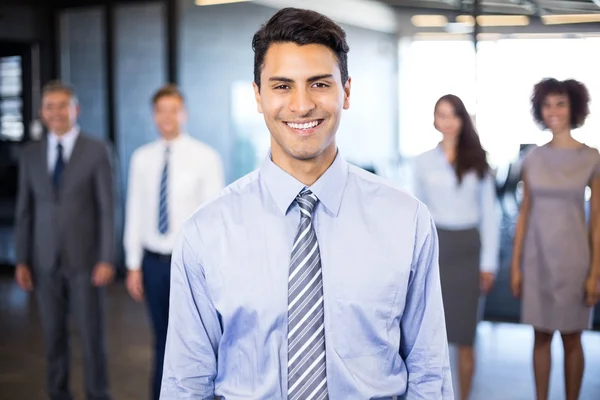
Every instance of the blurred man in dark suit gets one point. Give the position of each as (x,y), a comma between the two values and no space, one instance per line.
(65,239)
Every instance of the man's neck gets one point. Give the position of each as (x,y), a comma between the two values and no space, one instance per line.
(307,171)
(61,133)
(170,136)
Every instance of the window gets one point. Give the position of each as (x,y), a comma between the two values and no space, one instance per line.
(11,103)
(495,85)
(429,70)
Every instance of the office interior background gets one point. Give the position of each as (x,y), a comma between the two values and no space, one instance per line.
(403,56)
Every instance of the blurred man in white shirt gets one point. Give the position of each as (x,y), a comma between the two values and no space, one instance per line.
(168,180)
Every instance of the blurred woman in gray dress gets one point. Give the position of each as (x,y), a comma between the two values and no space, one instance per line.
(556,257)
(455,182)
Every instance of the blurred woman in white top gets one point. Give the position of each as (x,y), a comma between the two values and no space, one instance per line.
(455,182)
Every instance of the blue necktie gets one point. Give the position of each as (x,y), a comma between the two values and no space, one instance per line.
(307,376)
(58,166)
(163,205)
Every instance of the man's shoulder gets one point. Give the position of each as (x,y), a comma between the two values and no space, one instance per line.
(144,149)
(200,146)
(394,202)
(386,188)
(94,143)
(31,146)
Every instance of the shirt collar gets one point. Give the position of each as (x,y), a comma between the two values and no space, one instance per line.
(284,188)
(172,144)
(67,140)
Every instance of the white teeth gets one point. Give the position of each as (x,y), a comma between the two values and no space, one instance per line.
(306,125)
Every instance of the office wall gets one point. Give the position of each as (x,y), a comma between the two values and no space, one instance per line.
(140,69)
(216,70)
(82,64)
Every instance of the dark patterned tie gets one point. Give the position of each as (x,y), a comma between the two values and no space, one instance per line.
(58,166)
(307,377)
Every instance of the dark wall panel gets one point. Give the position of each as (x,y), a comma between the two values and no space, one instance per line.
(18,23)
(82,61)
(140,69)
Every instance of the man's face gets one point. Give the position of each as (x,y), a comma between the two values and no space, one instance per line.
(169,116)
(59,112)
(302,98)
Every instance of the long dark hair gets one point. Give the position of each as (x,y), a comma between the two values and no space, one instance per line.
(470,155)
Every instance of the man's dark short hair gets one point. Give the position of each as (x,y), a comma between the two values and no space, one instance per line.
(301,27)
(60,87)
(168,90)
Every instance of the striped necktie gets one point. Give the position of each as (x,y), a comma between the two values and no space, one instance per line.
(163,205)
(306,330)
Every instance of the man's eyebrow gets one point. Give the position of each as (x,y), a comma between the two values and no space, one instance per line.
(319,77)
(280,79)
(311,79)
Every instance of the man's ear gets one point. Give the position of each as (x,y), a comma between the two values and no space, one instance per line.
(347,86)
(257,97)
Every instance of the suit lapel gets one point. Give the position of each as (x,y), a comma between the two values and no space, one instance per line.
(70,170)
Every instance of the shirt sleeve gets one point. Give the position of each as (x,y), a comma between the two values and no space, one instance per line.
(424,344)
(24,215)
(133,216)
(489,226)
(104,182)
(194,332)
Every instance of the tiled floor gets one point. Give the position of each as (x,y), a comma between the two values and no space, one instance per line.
(504,368)
(504,353)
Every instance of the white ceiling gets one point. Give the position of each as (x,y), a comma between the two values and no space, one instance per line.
(528,7)
(367,14)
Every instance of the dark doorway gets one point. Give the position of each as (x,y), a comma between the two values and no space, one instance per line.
(16,113)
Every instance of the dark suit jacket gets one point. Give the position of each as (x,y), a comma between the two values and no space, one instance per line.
(74,224)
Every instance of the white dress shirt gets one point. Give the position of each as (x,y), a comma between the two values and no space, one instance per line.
(195,175)
(472,204)
(68,143)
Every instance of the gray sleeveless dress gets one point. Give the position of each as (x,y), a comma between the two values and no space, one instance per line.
(556,251)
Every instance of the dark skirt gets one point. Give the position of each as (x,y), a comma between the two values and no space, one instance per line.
(459,276)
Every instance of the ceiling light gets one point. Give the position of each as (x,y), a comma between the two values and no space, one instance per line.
(215,2)
(429,21)
(570,19)
(495,20)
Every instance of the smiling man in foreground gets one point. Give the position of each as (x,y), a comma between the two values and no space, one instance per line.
(308,278)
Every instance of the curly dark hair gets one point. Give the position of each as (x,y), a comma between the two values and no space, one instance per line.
(470,155)
(301,27)
(579,99)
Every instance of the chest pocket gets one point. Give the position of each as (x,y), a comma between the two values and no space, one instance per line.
(364,304)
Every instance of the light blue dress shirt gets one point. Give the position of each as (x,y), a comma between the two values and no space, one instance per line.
(384,320)
(472,204)
(68,143)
